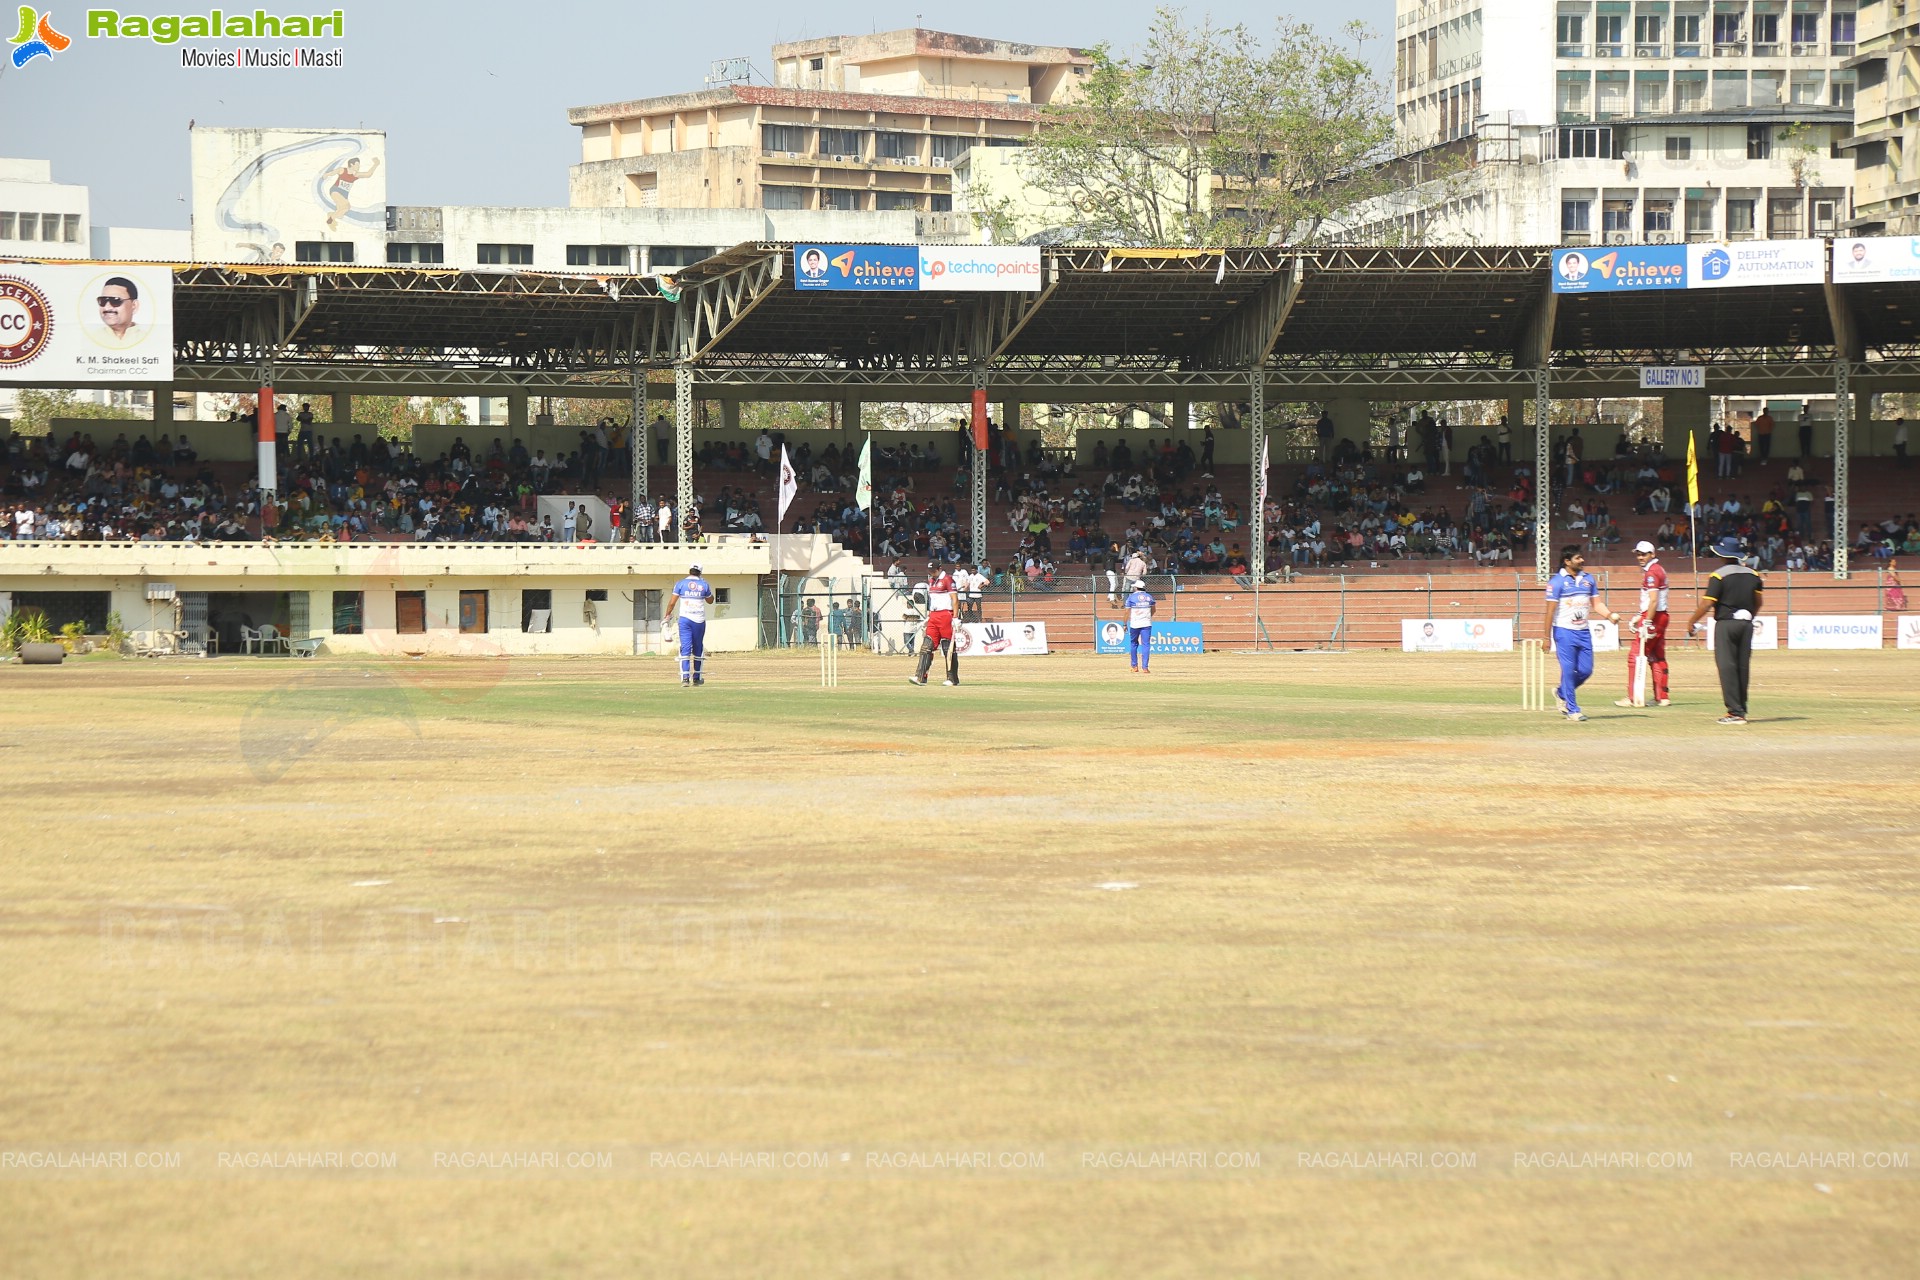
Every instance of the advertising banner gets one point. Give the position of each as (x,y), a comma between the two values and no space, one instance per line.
(1908,634)
(1876,258)
(1167,637)
(1001,639)
(1756,262)
(1014,268)
(1833,631)
(863,268)
(905,268)
(100,322)
(1766,632)
(1630,267)
(1672,377)
(1456,635)
(1606,635)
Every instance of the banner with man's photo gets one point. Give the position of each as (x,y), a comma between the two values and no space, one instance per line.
(1001,639)
(93,322)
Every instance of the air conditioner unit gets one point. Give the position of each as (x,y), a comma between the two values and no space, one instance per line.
(1659,237)
(913,159)
(839,159)
(941,162)
(160,591)
(791,155)
(1619,237)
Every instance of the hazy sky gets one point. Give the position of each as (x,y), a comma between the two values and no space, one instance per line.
(473,96)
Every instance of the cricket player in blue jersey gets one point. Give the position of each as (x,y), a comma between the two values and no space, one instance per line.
(1139,605)
(1572,596)
(691,594)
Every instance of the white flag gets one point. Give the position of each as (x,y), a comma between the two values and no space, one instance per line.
(789,483)
(864,494)
(1264,442)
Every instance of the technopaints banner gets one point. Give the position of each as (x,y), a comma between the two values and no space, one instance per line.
(101,322)
(1166,637)
(1456,635)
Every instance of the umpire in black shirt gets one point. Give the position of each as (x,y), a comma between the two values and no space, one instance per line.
(1733,593)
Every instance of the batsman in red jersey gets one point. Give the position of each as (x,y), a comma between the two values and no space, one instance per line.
(941,594)
(1647,661)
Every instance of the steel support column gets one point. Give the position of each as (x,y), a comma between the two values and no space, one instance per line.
(1842,441)
(1542,477)
(639,443)
(980,481)
(683,441)
(1257,446)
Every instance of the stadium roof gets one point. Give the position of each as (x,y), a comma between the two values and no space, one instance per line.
(1104,318)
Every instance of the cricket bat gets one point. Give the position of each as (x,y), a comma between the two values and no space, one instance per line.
(1642,668)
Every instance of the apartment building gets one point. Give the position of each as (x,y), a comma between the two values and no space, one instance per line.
(1621,121)
(1885,142)
(850,123)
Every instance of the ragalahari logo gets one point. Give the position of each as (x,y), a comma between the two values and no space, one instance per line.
(36,38)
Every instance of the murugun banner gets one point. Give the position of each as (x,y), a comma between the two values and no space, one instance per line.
(92,322)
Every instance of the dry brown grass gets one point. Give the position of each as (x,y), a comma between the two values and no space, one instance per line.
(1375,912)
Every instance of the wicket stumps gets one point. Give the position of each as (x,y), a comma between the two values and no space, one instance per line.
(1536,684)
(830,662)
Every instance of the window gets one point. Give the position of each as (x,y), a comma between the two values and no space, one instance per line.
(895,146)
(851,143)
(940,204)
(1606,35)
(950,149)
(1842,35)
(1657,218)
(1808,89)
(1699,218)
(1806,33)
(665,257)
(1690,91)
(322,251)
(425,255)
(1585,144)
(473,613)
(1686,35)
(783,197)
(1783,217)
(1679,148)
(597,255)
(1842,90)
(1616,215)
(6,226)
(349,613)
(1576,216)
(1572,96)
(29,226)
(1610,94)
(410,612)
(839,198)
(783,137)
(1646,34)
(1726,34)
(893,200)
(1650,94)
(1739,219)
(816,64)
(1759,142)
(540,602)
(511,255)
(1824,216)
(1766,34)
(1571,35)
(1767,87)
(1729,89)
(70,228)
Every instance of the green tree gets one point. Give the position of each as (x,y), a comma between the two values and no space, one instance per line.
(38,409)
(1208,138)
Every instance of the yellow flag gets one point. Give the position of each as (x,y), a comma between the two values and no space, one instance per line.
(1693,473)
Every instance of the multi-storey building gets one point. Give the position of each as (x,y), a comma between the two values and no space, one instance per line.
(1590,121)
(850,123)
(1886,134)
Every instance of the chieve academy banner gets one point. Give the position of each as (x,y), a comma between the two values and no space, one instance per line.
(1638,268)
(97,322)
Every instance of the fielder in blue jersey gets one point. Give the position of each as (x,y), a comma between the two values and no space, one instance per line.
(1139,605)
(1572,597)
(691,595)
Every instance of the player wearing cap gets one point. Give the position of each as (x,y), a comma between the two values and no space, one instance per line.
(938,628)
(1733,593)
(1573,595)
(1647,661)
(1139,605)
(691,594)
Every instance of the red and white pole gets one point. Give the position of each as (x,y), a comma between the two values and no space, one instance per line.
(269,471)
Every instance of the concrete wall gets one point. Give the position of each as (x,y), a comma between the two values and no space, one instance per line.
(27,188)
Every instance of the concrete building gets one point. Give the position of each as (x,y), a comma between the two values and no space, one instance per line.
(1620,121)
(854,123)
(1885,143)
